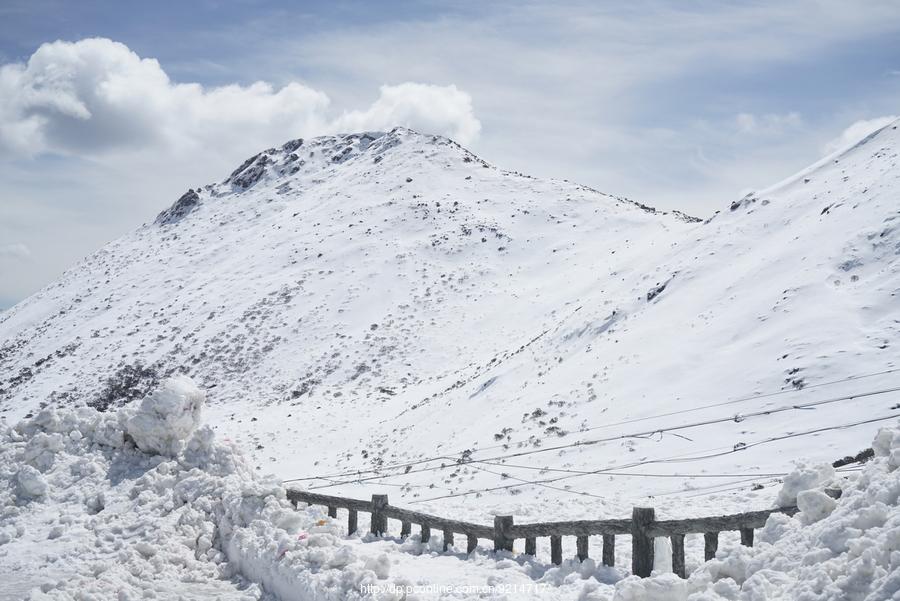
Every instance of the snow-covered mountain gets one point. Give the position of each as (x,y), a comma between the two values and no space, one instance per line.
(359,301)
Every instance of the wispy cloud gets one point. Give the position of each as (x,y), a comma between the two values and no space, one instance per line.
(16,251)
(768,124)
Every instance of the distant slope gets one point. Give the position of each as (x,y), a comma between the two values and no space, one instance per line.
(360,300)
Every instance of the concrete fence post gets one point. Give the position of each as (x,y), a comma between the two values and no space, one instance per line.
(379,520)
(642,553)
(502,540)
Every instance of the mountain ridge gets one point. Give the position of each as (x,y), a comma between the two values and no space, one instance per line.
(323,152)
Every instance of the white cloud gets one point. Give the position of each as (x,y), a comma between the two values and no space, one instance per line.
(857,131)
(420,106)
(95,97)
(14,251)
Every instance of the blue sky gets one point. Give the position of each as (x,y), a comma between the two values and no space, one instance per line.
(677,104)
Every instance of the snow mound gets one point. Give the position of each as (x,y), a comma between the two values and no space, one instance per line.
(844,550)
(87,515)
(801,479)
(167,417)
(31,483)
(814,505)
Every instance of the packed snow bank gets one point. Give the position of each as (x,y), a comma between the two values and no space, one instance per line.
(167,417)
(844,550)
(801,479)
(86,514)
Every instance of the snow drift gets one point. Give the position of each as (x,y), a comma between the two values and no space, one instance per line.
(87,515)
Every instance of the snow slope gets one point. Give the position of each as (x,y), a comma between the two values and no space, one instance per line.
(357,301)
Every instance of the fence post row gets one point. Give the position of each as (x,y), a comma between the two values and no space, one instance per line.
(643,528)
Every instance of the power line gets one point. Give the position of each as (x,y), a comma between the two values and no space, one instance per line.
(492,460)
(694,424)
(600,471)
(746,398)
(722,490)
(611,439)
(541,484)
(743,480)
(709,489)
(451,456)
(626,474)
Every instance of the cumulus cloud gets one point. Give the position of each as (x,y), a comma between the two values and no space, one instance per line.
(857,131)
(424,107)
(14,251)
(96,96)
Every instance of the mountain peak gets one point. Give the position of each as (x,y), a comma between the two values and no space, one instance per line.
(316,158)
(319,153)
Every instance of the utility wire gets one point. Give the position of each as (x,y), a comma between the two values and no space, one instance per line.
(626,474)
(736,418)
(589,442)
(600,471)
(453,456)
(722,490)
(711,488)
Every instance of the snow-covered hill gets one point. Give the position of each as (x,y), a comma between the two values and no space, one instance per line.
(361,301)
